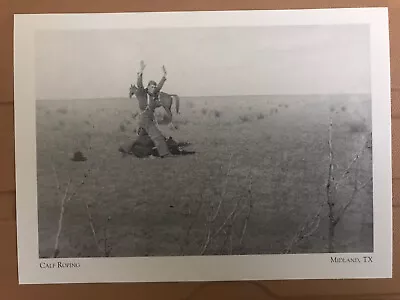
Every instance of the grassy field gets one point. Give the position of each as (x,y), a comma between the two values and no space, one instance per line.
(257,183)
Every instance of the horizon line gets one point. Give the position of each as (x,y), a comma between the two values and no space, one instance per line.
(216,96)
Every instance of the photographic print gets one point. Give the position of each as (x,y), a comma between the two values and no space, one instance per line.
(203,146)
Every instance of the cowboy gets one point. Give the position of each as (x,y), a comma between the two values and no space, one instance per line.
(148,102)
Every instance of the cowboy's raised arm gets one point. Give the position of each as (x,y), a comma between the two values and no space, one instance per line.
(162,81)
(140,80)
(140,75)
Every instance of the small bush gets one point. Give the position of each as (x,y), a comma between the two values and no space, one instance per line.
(357,127)
(244,118)
(273,111)
(62,110)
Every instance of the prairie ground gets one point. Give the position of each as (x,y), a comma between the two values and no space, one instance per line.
(256,185)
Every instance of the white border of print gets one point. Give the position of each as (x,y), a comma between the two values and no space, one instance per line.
(200,268)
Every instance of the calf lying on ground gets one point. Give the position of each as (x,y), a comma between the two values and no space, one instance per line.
(144,147)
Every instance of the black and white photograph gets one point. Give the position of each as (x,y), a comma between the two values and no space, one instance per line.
(202,138)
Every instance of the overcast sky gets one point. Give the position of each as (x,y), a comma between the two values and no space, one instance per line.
(205,61)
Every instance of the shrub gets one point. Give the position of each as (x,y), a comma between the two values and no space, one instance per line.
(244,118)
(62,110)
(356,127)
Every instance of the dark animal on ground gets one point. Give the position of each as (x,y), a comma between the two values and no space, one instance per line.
(144,147)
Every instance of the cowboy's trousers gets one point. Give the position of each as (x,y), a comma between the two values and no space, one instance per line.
(148,123)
